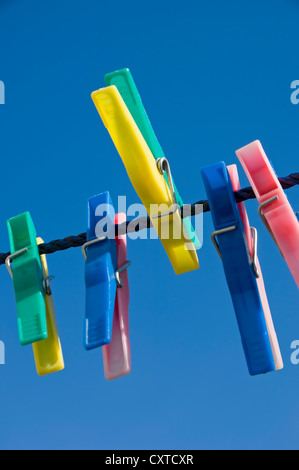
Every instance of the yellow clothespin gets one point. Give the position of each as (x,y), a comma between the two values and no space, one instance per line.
(147,178)
(48,353)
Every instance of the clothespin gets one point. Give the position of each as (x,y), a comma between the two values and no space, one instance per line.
(147,178)
(274,207)
(117,354)
(100,267)
(48,353)
(251,237)
(239,267)
(126,86)
(28,281)
(101,263)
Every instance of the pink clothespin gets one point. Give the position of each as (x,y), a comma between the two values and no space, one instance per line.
(117,354)
(251,236)
(274,209)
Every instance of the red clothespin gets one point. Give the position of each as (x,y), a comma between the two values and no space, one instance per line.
(274,209)
(117,354)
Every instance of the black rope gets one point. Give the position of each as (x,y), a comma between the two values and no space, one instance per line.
(141,223)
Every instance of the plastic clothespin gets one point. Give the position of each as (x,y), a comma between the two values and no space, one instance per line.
(274,207)
(251,237)
(239,267)
(126,86)
(100,267)
(147,178)
(48,353)
(117,354)
(28,281)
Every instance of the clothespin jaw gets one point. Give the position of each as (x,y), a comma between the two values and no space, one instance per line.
(27,275)
(274,207)
(251,237)
(117,354)
(126,86)
(146,178)
(230,240)
(48,353)
(100,268)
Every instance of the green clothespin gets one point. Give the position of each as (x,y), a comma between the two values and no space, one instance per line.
(27,275)
(125,84)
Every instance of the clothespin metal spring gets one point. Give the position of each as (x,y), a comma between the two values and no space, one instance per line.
(163,165)
(10,257)
(8,260)
(254,238)
(118,271)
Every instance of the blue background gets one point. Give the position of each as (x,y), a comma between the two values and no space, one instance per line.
(213,77)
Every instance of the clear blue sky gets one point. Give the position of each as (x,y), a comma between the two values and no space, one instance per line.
(213,76)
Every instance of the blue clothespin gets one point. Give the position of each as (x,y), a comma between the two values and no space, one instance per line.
(241,274)
(100,279)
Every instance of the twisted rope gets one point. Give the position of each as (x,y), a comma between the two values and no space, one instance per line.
(142,223)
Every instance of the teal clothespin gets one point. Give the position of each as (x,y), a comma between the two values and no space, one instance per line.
(24,265)
(126,86)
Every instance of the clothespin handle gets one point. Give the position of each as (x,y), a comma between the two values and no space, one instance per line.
(274,207)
